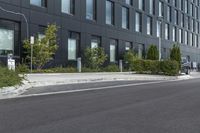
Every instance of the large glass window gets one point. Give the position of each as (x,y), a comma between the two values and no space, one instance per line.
(68,6)
(167,31)
(138,22)
(109,12)
(91,9)
(129,2)
(161,9)
(141,4)
(128,46)
(6,41)
(41,3)
(159,28)
(151,6)
(71,49)
(73,45)
(168,13)
(125,18)
(149,25)
(113,50)
(95,42)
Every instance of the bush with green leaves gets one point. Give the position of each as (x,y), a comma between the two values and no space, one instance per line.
(44,48)
(167,67)
(153,53)
(94,58)
(129,57)
(22,68)
(111,68)
(175,54)
(68,69)
(9,77)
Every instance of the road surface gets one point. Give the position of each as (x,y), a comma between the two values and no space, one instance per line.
(171,107)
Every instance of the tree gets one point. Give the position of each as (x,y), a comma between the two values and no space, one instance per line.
(175,54)
(43,48)
(94,57)
(153,53)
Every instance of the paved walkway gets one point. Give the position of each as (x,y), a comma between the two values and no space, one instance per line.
(37,80)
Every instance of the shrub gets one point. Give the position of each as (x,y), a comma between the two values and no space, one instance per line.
(85,69)
(170,68)
(57,70)
(22,68)
(153,53)
(152,67)
(94,58)
(129,57)
(9,77)
(175,54)
(138,66)
(156,67)
(111,68)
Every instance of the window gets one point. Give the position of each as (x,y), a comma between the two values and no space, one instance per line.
(41,3)
(152,6)
(174,34)
(159,28)
(168,13)
(129,2)
(176,17)
(186,37)
(73,45)
(180,36)
(186,6)
(95,42)
(128,46)
(161,9)
(167,31)
(68,6)
(6,41)
(149,25)
(141,4)
(109,12)
(138,22)
(182,20)
(191,39)
(113,49)
(91,9)
(125,18)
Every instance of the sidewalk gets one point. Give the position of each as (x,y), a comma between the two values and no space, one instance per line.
(39,80)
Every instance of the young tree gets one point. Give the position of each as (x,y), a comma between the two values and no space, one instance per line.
(94,58)
(175,54)
(153,53)
(43,48)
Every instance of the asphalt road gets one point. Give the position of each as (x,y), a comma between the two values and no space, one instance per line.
(172,107)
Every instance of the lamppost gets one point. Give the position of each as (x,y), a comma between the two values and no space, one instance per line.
(160,18)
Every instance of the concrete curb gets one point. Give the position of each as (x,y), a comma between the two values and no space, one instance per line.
(8,92)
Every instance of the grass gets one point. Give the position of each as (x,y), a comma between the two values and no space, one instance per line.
(9,78)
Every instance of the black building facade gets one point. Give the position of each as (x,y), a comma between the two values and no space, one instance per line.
(115,25)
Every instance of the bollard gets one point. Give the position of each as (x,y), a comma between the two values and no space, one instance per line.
(120,65)
(79,65)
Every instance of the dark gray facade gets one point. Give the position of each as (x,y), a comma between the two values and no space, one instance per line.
(39,17)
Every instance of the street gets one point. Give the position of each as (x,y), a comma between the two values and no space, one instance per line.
(167,107)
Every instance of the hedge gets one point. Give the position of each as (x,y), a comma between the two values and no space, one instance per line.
(167,67)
